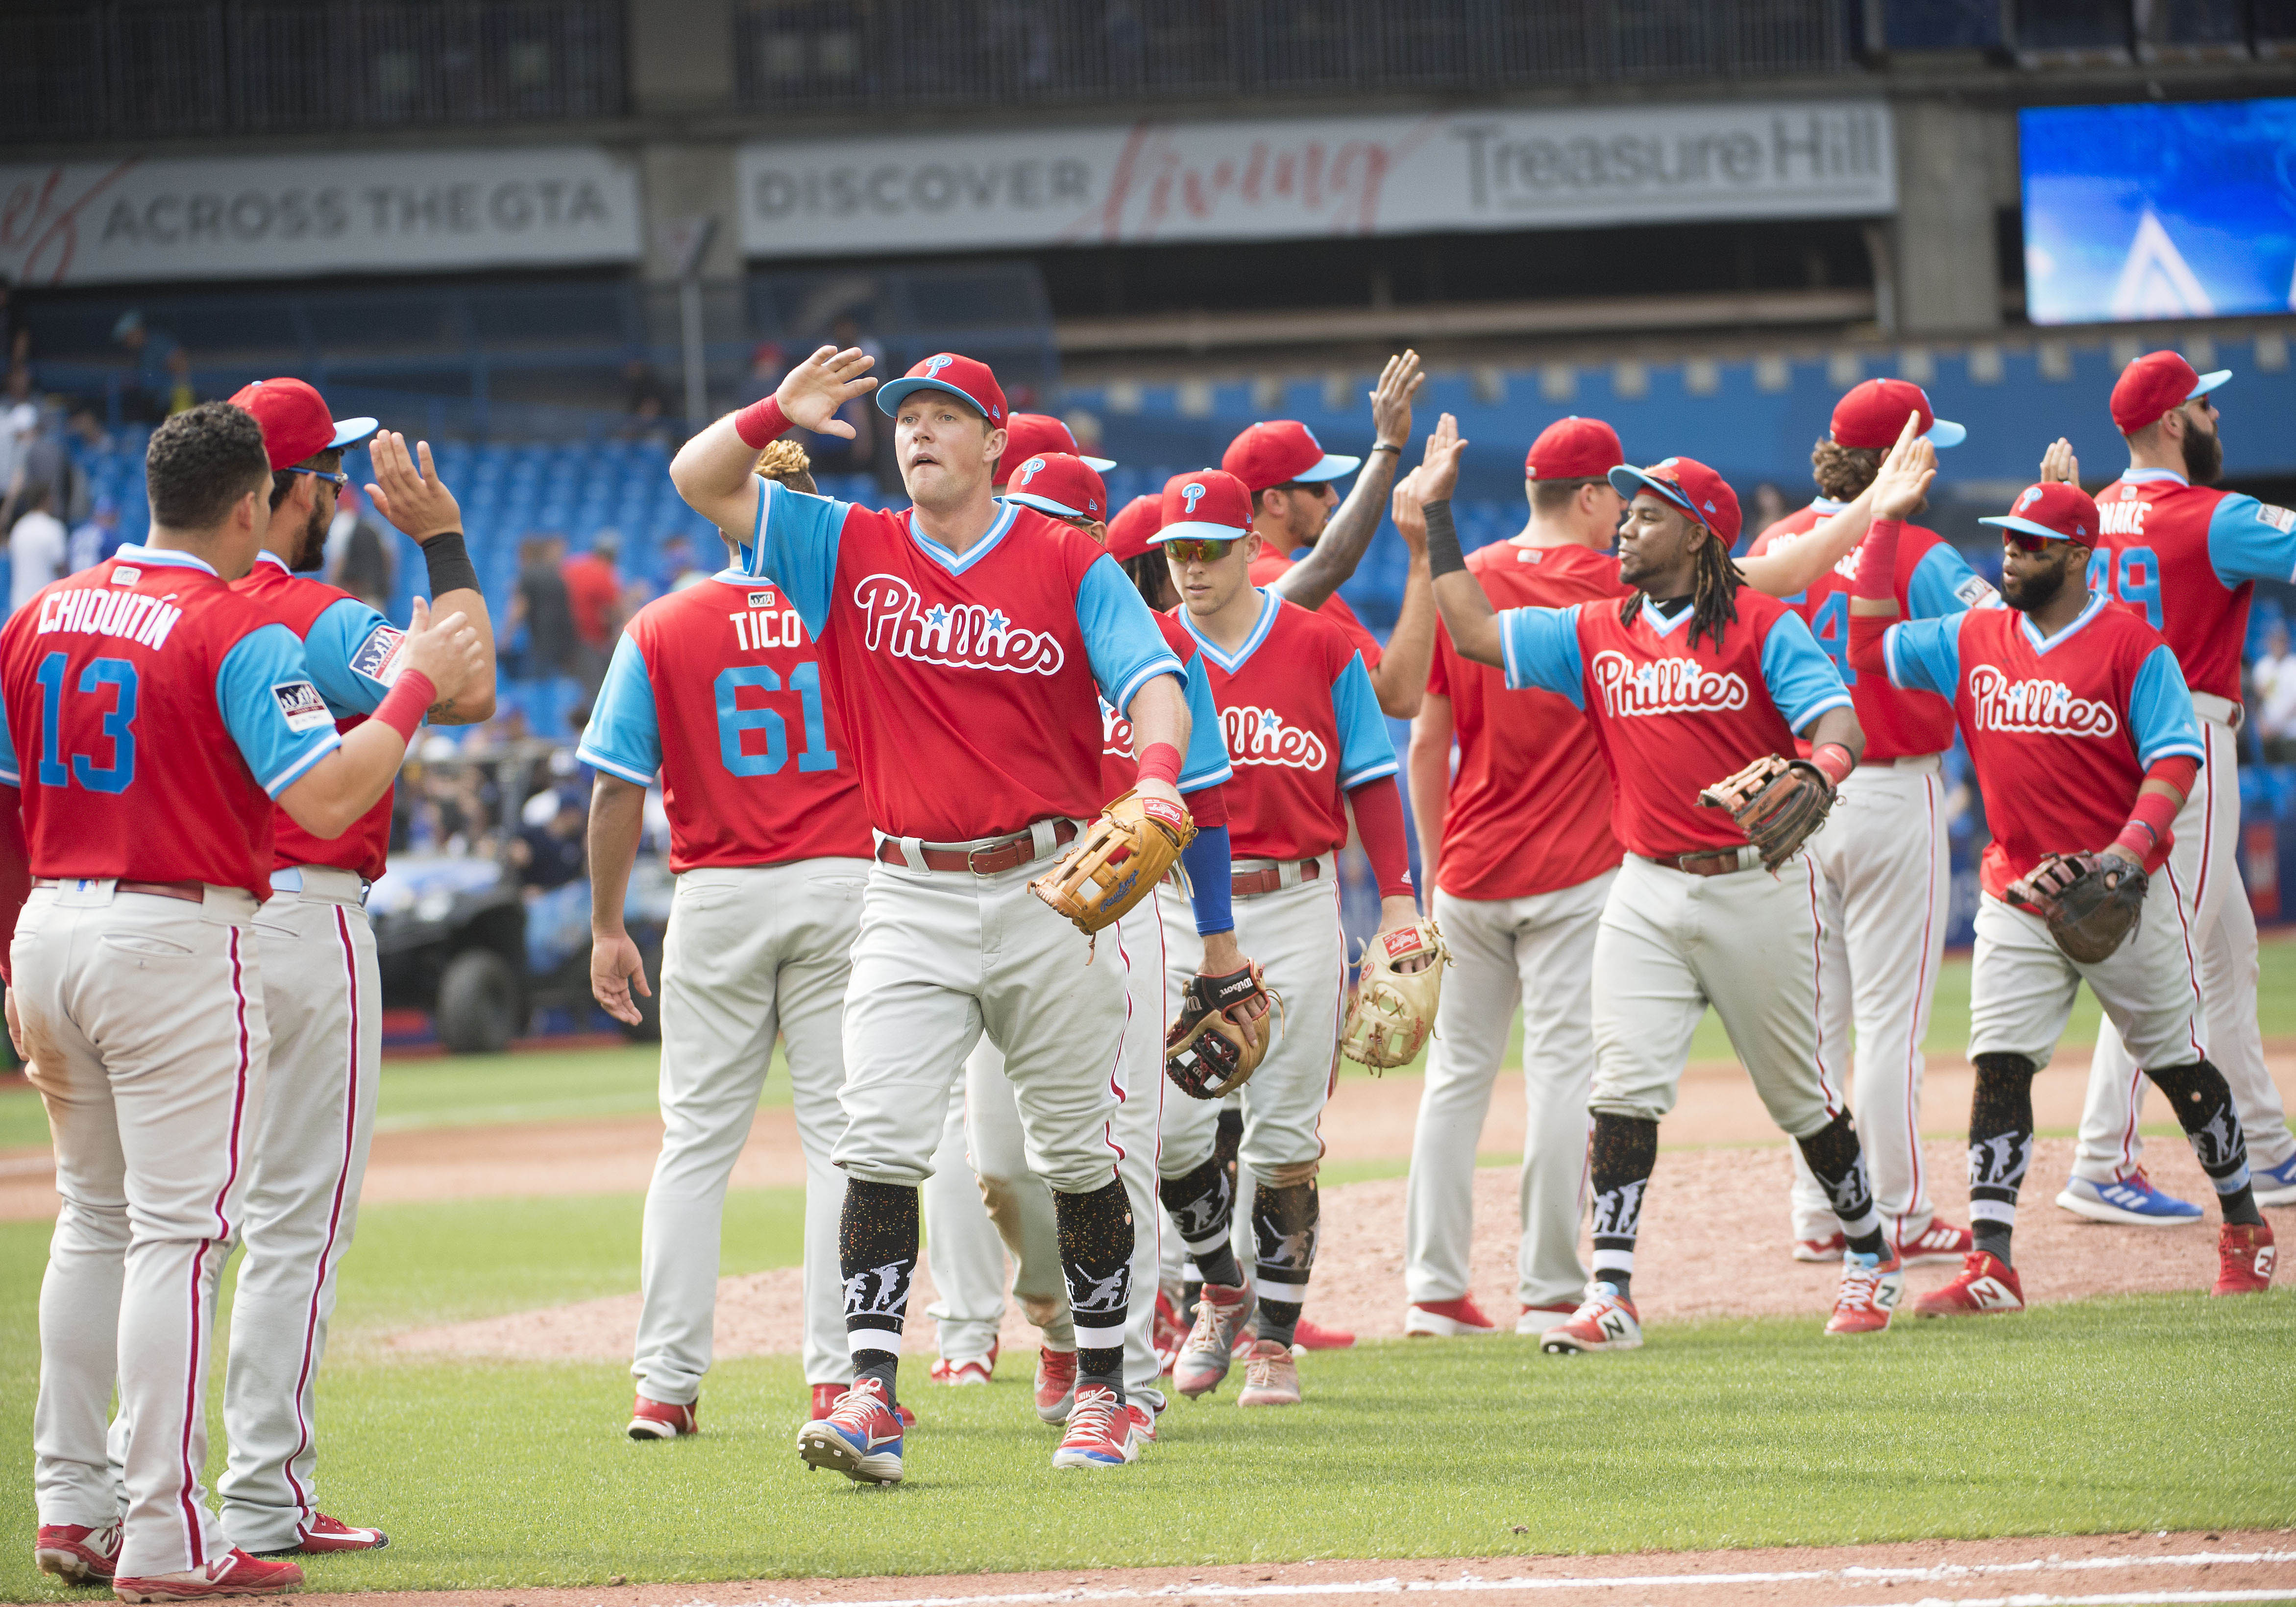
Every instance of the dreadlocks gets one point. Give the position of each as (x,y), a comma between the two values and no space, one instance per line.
(1714,591)
(1153,576)
(786,462)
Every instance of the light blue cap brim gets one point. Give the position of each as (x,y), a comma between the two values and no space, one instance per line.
(1197,530)
(2210,381)
(1098,465)
(1044,504)
(1627,480)
(890,395)
(2010,521)
(1945,433)
(350,432)
(1330,466)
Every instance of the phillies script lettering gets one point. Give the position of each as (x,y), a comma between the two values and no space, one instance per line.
(2037,708)
(1664,686)
(1115,733)
(1258,736)
(961,635)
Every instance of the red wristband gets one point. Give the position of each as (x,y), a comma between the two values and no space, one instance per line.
(761,423)
(2148,835)
(403,706)
(1832,761)
(1876,575)
(1161,761)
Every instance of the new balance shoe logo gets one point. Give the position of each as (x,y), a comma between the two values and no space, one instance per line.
(1613,1325)
(2267,1256)
(1989,1294)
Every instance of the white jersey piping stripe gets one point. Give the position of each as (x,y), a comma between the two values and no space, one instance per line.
(1166,665)
(1922,983)
(1818,985)
(598,761)
(1270,606)
(279,782)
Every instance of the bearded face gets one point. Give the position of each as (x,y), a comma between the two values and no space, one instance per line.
(311,543)
(2203,454)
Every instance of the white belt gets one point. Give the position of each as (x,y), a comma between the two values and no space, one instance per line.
(323,883)
(2224,711)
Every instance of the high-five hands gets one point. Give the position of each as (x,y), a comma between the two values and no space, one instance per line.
(811,393)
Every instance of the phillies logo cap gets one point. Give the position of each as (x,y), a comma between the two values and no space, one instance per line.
(296,422)
(1280,452)
(1134,529)
(1871,416)
(945,371)
(1689,484)
(1573,448)
(2054,509)
(1027,434)
(1057,483)
(2158,382)
(1209,504)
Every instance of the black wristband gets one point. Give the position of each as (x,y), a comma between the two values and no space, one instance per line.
(1443,554)
(1384,446)
(450,566)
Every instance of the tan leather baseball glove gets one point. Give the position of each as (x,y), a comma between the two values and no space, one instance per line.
(1777,802)
(1119,858)
(1391,1008)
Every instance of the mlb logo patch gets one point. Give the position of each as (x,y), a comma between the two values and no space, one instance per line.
(761,599)
(378,657)
(301,706)
(125,575)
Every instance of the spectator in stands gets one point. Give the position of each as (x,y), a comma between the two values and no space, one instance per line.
(594,592)
(20,427)
(541,607)
(359,555)
(94,538)
(2275,697)
(86,426)
(846,331)
(180,396)
(36,547)
(646,400)
(678,567)
(766,367)
(146,396)
(1769,506)
(548,852)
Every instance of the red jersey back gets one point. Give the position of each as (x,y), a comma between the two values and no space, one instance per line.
(1271,564)
(2153,554)
(717,690)
(1530,807)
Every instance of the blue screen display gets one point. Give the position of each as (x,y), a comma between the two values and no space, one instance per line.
(2159,211)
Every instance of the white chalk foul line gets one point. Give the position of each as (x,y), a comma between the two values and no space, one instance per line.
(1937,1574)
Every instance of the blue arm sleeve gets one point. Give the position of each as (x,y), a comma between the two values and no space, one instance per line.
(624,736)
(353,653)
(1539,647)
(794,545)
(1924,655)
(1120,637)
(272,708)
(1802,680)
(1367,751)
(2161,718)
(10,776)
(1943,583)
(1210,881)
(1205,764)
(2249,540)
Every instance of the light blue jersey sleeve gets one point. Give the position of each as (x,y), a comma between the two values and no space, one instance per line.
(272,707)
(352,653)
(624,736)
(1943,583)
(10,776)
(2249,540)
(2161,716)
(1802,680)
(1924,655)
(794,545)
(1367,751)
(1205,764)
(1120,637)
(1539,650)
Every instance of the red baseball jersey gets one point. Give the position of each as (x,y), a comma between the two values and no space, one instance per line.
(1530,807)
(717,690)
(1205,763)
(157,713)
(1933,580)
(1270,564)
(1672,717)
(2186,557)
(2061,730)
(1303,727)
(970,683)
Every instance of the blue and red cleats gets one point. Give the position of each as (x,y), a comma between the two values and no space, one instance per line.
(861,1437)
(2130,1202)
(1100,1431)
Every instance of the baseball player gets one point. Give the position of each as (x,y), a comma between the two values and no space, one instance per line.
(968,644)
(1029,435)
(322,986)
(2187,557)
(2081,731)
(1692,676)
(716,693)
(158,714)
(1309,748)
(1883,850)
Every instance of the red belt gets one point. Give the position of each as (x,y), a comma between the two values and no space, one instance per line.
(1249,884)
(1006,853)
(191,892)
(1723,862)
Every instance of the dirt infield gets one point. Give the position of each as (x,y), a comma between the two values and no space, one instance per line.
(2046,1571)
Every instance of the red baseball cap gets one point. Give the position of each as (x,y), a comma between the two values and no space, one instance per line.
(945,371)
(1281,451)
(1134,529)
(1211,504)
(1871,413)
(1689,484)
(296,422)
(2156,383)
(1026,434)
(2056,509)
(1573,448)
(1058,483)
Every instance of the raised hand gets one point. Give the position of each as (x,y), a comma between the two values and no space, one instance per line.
(448,650)
(1439,471)
(1390,399)
(411,497)
(1408,509)
(2059,464)
(811,393)
(1905,475)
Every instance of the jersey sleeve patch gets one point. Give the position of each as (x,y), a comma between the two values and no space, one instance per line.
(301,706)
(377,658)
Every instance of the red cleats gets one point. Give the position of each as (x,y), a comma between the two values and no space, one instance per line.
(1606,1321)
(1309,1336)
(1099,1430)
(860,1438)
(1056,1376)
(659,1420)
(1170,1332)
(1987,1286)
(1828,1249)
(826,1395)
(973,1372)
(1446,1319)
(1870,1292)
(2244,1259)
(77,1553)
(1940,1243)
(235,1573)
(326,1534)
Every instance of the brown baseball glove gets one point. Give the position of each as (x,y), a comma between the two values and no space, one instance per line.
(2092,902)
(1119,858)
(1391,1008)
(1221,1034)
(1777,802)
